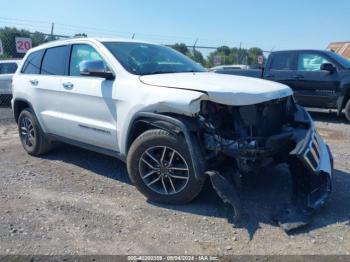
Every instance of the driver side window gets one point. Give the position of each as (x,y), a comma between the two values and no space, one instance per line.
(311,62)
(81,53)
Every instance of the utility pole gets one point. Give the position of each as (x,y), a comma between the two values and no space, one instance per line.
(194,46)
(52,27)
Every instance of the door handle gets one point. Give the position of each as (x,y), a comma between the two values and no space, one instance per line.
(68,85)
(298,77)
(34,82)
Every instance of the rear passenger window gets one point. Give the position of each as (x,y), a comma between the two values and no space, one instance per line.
(32,63)
(82,53)
(282,61)
(7,68)
(54,61)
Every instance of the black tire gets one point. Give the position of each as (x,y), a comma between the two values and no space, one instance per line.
(347,110)
(39,144)
(159,138)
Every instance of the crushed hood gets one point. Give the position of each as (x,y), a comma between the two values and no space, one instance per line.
(224,89)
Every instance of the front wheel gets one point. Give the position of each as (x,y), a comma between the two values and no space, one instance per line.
(160,166)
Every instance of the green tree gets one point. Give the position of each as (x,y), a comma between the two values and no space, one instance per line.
(198,57)
(8,35)
(181,47)
(235,55)
(253,54)
(194,54)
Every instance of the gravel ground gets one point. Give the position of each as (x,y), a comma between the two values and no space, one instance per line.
(73,201)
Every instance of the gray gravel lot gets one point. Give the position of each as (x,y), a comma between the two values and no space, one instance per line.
(73,201)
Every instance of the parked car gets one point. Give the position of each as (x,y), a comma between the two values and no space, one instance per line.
(220,67)
(171,121)
(7,69)
(318,78)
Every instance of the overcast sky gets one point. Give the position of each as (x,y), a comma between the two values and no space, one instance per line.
(269,24)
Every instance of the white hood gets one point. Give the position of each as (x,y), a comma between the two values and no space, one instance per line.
(223,89)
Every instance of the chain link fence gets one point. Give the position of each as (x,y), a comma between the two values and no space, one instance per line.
(14,44)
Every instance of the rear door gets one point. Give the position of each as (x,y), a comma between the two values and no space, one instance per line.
(46,86)
(89,113)
(281,68)
(315,87)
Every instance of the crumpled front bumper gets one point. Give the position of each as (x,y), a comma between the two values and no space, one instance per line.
(311,168)
(318,161)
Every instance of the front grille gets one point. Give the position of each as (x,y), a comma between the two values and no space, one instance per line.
(312,153)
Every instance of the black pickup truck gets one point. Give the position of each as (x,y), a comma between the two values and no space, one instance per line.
(318,78)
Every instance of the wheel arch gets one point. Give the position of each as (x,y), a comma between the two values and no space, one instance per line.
(344,98)
(19,105)
(175,124)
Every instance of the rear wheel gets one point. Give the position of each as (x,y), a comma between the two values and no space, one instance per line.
(160,166)
(347,110)
(32,137)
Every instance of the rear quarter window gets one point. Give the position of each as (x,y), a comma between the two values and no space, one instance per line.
(32,64)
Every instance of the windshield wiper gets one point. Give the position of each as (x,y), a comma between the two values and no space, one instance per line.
(173,72)
(158,72)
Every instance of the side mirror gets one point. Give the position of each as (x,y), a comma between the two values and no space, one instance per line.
(328,67)
(95,68)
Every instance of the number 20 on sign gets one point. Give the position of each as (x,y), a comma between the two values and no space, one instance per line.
(23,44)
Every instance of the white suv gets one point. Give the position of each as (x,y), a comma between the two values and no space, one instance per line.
(166,116)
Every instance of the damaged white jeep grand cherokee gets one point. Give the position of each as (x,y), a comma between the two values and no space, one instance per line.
(174,123)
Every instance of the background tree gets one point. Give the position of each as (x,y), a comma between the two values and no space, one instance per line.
(198,57)
(231,56)
(181,47)
(8,35)
(193,54)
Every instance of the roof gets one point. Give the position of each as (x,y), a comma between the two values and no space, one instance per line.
(11,60)
(300,50)
(85,39)
(341,48)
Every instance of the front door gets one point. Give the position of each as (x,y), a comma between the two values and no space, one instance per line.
(315,87)
(89,111)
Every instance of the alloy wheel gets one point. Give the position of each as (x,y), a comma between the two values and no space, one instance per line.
(164,170)
(27,132)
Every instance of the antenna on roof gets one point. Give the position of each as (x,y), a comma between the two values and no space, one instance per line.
(133,36)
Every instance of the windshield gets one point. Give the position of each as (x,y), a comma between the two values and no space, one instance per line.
(147,59)
(340,59)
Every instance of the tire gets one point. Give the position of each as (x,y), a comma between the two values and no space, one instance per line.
(347,110)
(31,135)
(172,187)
